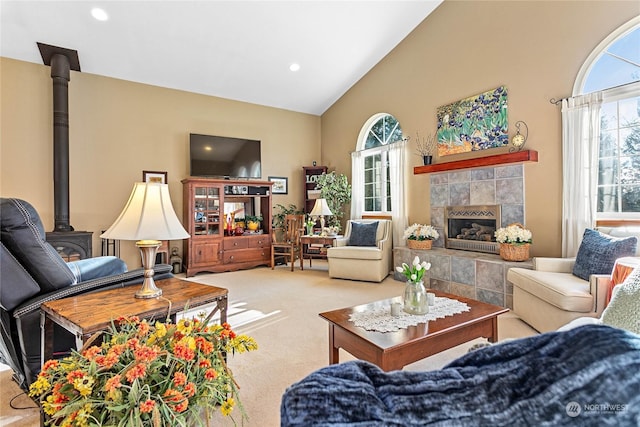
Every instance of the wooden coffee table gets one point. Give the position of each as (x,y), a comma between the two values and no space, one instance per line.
(393,350)
(86,314)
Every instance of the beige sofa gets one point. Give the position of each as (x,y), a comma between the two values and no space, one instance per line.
(549,295)
(367,263)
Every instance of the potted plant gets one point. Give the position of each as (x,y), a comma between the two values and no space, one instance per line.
(336,190)
(144,374)
(514,242)
(281,212)
(426,147)
(420,236)
(253,222)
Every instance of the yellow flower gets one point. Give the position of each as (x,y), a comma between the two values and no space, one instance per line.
(83,416)
(227,406)
(39,386)
(84,385)
(185,326)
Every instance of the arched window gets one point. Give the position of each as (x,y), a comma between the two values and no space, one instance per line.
(379,132)
(378,172)
(614,69)
(601,138)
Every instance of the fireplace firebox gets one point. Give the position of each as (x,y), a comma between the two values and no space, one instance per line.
(472,228)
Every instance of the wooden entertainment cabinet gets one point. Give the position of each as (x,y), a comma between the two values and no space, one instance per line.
(207,205)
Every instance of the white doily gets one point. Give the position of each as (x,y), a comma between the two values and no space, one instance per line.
(381,320)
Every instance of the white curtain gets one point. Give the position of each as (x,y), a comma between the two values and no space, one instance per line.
(580,145)
(398,184)
(357,184)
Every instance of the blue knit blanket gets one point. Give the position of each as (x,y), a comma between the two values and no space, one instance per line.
(588,376)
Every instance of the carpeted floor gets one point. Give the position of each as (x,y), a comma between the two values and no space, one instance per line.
(280,309)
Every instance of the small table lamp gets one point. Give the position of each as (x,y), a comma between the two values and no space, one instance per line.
(148,217)
(321,209)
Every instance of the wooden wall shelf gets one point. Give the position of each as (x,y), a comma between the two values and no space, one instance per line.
(497,159)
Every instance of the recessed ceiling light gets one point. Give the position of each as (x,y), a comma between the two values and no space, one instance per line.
(294,67)
(99,14)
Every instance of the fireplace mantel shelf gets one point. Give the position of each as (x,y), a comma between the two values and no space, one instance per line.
(497,159)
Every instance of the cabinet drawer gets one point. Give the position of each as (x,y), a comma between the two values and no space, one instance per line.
(233,243)
(260,242)
(230,257)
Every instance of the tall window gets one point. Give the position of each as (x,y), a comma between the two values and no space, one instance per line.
(614,69)
(381,132)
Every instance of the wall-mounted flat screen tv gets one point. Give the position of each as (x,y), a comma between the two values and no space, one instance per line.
(226,157)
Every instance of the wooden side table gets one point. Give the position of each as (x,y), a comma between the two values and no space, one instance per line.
(84,315)
(322,242)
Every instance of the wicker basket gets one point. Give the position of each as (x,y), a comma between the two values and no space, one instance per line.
(510,252)
(419,244)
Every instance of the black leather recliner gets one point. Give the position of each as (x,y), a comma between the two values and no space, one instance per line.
(31,273)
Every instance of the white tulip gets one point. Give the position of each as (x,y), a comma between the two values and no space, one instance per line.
(416,260)
(413,277)
(399,269)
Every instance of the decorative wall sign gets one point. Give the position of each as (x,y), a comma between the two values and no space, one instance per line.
(475,123)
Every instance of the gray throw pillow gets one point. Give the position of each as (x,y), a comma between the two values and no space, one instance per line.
(363,234)
(623,310)
(598,253)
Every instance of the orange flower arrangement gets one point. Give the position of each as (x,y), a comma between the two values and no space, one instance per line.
(144,374)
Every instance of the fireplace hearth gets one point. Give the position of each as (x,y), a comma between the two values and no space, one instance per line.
(472,228)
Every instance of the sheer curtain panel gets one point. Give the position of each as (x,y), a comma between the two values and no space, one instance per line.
(580,145)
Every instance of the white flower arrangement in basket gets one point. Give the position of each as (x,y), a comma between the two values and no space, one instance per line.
(514,234)
(420,236)
(514,242)
(421,232)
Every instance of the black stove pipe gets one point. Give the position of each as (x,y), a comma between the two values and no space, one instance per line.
(60,73)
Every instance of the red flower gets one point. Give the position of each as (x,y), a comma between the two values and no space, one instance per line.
(179,379)
(203,345)
(138,371)
(73,375)
(204,363)
(113,383)
(183,351)
(91,352)
(210,374)
(190,389)
(147,406)
(48,365)
(143,329)
(146,354)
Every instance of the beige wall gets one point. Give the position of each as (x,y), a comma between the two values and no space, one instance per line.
(117,130)
(534,48)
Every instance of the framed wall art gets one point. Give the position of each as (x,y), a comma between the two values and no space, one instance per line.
(475,123)
(280,184)
(154,176)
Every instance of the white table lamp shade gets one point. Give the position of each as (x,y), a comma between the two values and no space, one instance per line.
(148,215)
(321,208)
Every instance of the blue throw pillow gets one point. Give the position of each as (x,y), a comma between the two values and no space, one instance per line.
(598,253)
(363,234)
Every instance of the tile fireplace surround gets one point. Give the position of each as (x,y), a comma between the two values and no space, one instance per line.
(470,274)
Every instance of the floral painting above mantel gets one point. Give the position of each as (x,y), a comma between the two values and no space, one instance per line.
(475,123)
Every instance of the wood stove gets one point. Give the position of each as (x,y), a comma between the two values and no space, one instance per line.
(70,244)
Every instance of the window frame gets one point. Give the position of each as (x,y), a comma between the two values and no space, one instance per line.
(383,149)
(609,95)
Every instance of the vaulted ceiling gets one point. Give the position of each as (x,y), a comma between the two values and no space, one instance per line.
(240,50)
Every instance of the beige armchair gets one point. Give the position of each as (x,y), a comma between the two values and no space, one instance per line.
(366,263)
(550,295)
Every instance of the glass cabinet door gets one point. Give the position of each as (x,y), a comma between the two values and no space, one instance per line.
(207,211)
